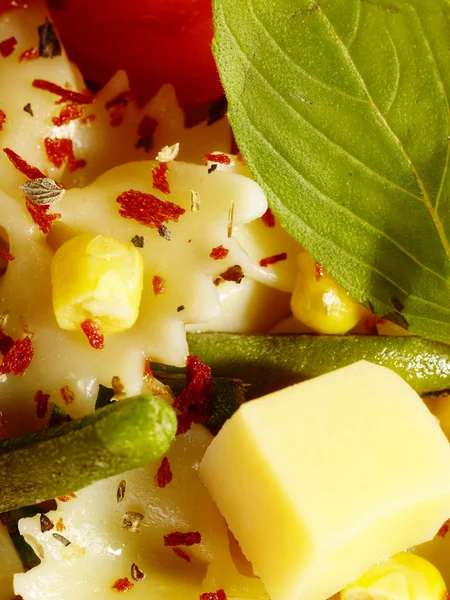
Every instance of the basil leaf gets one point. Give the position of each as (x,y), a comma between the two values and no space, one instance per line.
(341,109)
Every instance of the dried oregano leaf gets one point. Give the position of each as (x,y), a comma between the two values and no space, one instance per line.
(43,191)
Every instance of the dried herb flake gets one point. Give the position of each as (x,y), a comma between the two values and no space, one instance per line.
(43,191)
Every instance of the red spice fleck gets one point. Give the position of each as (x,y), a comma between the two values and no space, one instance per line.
(88,119)
(30,54)
(185,421)
(218,253)
(2,118)
(67,395)
(177,538)
(66,95)
(68,113)
(93,333)
(41,401)
(164,474)
(268,218)
(158,285)
(18,358)
(60,149)
(116,108)
(195,398)
(219,595)
(319,271)
(147,209)
(219,159)
(6,256)
(22,166)
(39,214)
(271,260)
(182,554)
(122,585)
(67,497)
(444,529)
(7,46)
(6,343)
(121,99)
(159,175)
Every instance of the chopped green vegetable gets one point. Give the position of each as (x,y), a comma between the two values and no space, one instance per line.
(271,362)
(61,459)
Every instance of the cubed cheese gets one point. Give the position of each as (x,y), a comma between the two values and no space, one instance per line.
(321,480)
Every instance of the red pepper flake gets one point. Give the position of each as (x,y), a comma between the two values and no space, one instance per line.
(271,260)
(219,159)
(177,538)
(88,119)
(6,343)
(146,130)
(184,422)
(18,358)
(93,333)
(67,395)
(70,112)
(319,271)
(182,554)
(159,175)
(6,256)
(39,214)
(22,166)
(66,95)
(7,46)
(219,595)
(147,209)
(158,285)
(41,401)
(122,585)
(196,397)
(2,118)
(268,218)
(30,54)
(164,474)
(218,253)
(60,149)
(444,529)
(67,497)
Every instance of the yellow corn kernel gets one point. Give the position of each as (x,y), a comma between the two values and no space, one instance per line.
(403,577)
(97,277)
(319,302)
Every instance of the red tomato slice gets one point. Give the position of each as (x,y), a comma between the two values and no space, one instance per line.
(155,41)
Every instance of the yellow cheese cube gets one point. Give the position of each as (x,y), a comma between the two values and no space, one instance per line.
(321,480)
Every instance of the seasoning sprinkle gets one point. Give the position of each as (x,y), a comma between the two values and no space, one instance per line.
(40,215)
(29,54)
(61,149)
(177,538)
(94,334)
(2,119)
(121,489)
(6,256)
(132,521)
(168,153)
(196,397)
(66,95)
(159,175)
(165,233)
(62,539)
(180,308)
(68,113)
(234,273)
(45,523)
(271,260)
(122,585)
(218,158)
(158,285)
(212,168)
(18,358)
(195,201)
(22,166)
(7,46)
(60,525)
(268,218)
(219,253)
(138,241)
(230,219)
(43,191)
(67,497)
(27,108)
(182,554)
(41,401)
(67,395)
(164,474)
(148,210)
(136,573)
(219,595)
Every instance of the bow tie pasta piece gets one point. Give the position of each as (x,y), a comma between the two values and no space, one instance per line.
(119,522)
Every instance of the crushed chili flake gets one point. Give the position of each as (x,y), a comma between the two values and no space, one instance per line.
(7,256)
(122,585)
(159,175)
(67,395)
(27,108)
(40,215)
(68,113)
(2,118)
(164,474)
(30,54)
(184,421)
(49,44)
(67,497)
(319,271)
(41,401)
(60,525)
(234,273)
(136,573)
(18,358)
(158,285)
(219,595)
(271,260)
(219,159)
(182,554)
(444,529)
(268,218)
(7,46)
(61,149)
(94,334)
(22,166)
(177,538)
(66,95)
(146,130)
(219,253)
(45,523)
(147,209)
(88,119)
(196,397)
(6,343)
